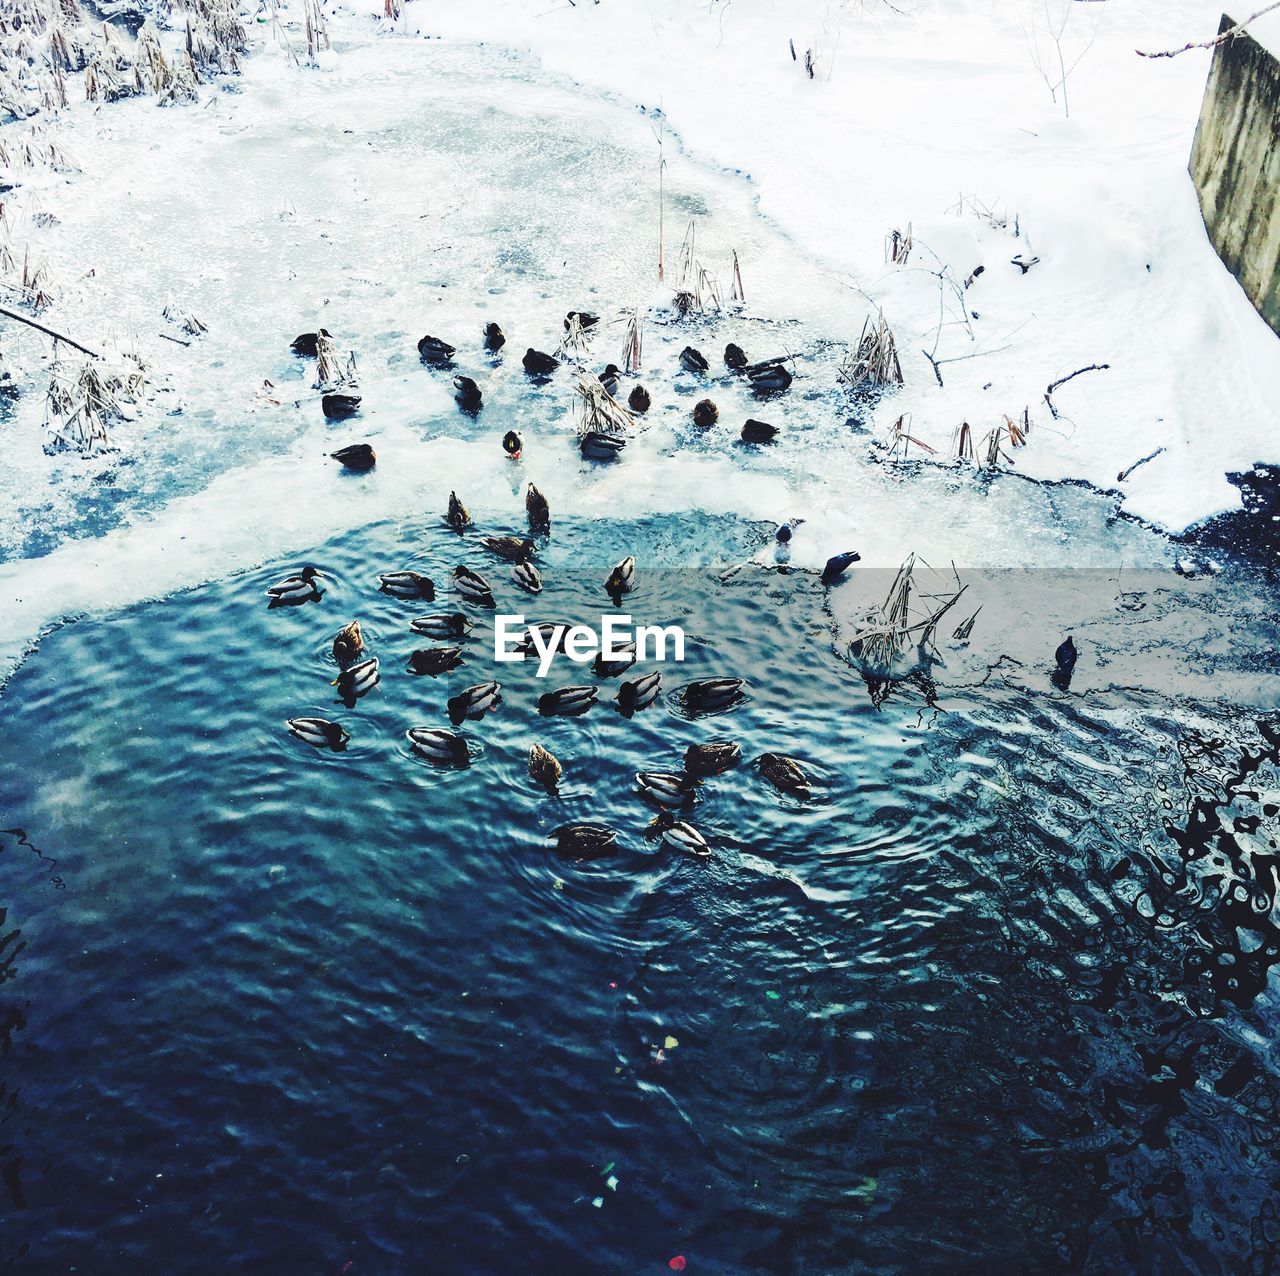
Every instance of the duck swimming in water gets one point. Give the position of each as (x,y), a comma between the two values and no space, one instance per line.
(437,353)
(585,841)
(735,357)
(337,407)
(551,636)
(320,732)
(468,395)
(527,577)
(512,444)
(692,360)
(473,587)
(639,694)
(537,364)
(601,447)
(348,643)
(787,775)
(705,414)
(304,344)
(458,517)
(684,837)
(619,665)
(665,787)
(441,747)
(301,588)
(759,432)
(538,510)
(408,585)
(357,681)
(431,661)
(473,702)
(356,456)
(515,549)
(568,701)
(638,400)
(709,695)
(621,580)
(838,564)
(455,625)
(494,338)
(712,758)
(544,767)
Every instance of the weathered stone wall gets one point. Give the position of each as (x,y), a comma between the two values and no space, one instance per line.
(1235,164)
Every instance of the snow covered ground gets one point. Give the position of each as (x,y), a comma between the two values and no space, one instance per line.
(922,107)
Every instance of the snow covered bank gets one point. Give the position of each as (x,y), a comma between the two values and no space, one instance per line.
(929,113)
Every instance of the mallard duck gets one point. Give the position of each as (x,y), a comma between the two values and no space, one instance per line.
(319,731)
(1066,655)
(712,758)
(451,626)
(527,577)
(551,636)
(301,588)
(537,364)
(585,841)
(514,549)
(356,456)
(705,414)
(665,787)
(441,747)
(512,444)
(584,317)
(692,360)
(348,643)
(735,357)
(494,338)
(473,702)
(304,344)
(544,767)
(458,516)
(619,664)
(768,378)
(759,432)
(568,701)
(408,585)
(601,447)
(609,379)
(621,580)
(639,694)
(684,837)
(707,695)
(436,352)
(468,395)
(838,564)
(358,680)
(638,400)
(472,586)
(431,661)
(785,774)
(539,511)
(338,406)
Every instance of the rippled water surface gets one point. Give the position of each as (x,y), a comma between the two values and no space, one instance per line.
(1000,994)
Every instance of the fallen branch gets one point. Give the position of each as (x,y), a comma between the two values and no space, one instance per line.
(1229,34)
(1124,474)
(1048,394)
(49,332)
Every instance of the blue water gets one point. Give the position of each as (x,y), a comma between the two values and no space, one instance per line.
(999,996)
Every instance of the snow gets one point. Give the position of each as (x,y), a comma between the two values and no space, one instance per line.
(913,110)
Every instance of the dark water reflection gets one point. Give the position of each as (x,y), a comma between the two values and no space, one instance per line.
(1003,997)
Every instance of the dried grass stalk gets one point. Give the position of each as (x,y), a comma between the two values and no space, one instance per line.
(633,348)
(187,320)
(576,342)
(906,621)
(80,406)
(875,363)
(898,245)
(598,411)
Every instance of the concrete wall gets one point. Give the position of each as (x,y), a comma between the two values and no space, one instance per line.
(1235,164)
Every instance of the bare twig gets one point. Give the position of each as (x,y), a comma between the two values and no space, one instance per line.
(1229,34)
(1048,394)
(49,332)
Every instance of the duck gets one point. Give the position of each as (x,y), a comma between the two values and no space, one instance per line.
(639,694)
(665,787)
(707,695)
(304,344)
(569,701)
(787,775)
(684,837)
(784,532)
(585,841)
(512,444)
(838,564)
(705,414)
(474,702)
(473,587)
(514,549)
(494,338)
(458,517)
(358,680)
(438,353)
(638,400)
(538,364)
(769,378)
(1066,655)
(443,747)
(356,456)
(337,406)
(408,585)
(455,625)
(601,447)
(295,589)
(551,635)
(735,357)
(348,643)
(527,577)
(320,732)
(712,758)
(619,665)
(544,767)
(621,580)
(468,395)
(585,318)
(435,660)
(609,379)
(538,510)
(759,432)
(692,360)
